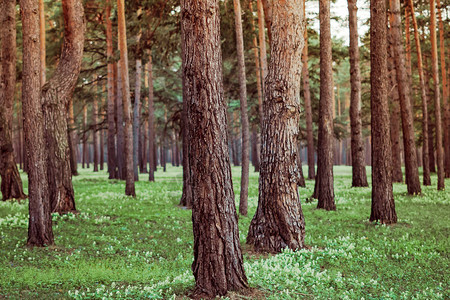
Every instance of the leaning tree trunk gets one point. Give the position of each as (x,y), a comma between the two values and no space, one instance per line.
(243,205)
(411,166)
(437,98)
(383,207)
(425,154)
(278,222)
(151,126)
(40,231)
(324,190)
(218,263)
(359,177)
(127,116)
(11,186)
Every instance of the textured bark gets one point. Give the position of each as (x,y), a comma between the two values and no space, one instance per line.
(262,48)
(437,98)
(425,148)
(409,146)
(279,222)
(431,125)
(187,196)
(112,162)
(40,221)
(308,108)
(218,263)
(267,6)
(151,127)
(11,186)
(243,205)
(127,112)
(301,177)
(383,206)
(408,47)
(120,128)
(324,190)
(136,118)
(56,95)
(42,51)
(359,177)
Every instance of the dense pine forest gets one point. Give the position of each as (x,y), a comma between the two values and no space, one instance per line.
(232,149)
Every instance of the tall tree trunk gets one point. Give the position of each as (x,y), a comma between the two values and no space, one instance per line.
(359,177)
(72,135)
(112,160)
(101,132)
(40,221)
(431,125)
(56,95)
(144,126)
(218,263)
(437,98)
(127,117)
(267,6)
(94,126)
(408,48)
(11,186)
(308,108)
(411,166)
(425,156)
(42,50)
(279,222)
(324,190)
(243,205)
(151,126)
(136,118)
(383,206)
(120,128)
(85,158)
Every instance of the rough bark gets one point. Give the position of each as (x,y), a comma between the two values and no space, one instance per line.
(437,98)
(151,127)
(324,190)
(136,118)
(279,222)
(425,148)
(218,263)
(383,206)
(120,128)
(409,146)
(11,186)
(42,50)
(431,125)
(301,177)
(267,6)
(40,222)
(359,177)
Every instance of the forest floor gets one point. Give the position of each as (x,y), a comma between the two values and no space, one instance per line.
(124,248)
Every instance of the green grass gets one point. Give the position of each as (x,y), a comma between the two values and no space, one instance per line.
(125,248)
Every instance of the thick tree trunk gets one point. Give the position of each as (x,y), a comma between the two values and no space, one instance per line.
(324,190)
(151,126)
(425,148)
(218,263)
(11,186)
(411,166)
(112,162)
(383,206)
(437,98)
(40,221)
(243,205)
(279,222)
(127,113)
(136,118)
(120,128)
(359,177)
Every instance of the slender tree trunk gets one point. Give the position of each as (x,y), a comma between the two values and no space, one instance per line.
(144,127)
(120,128)
(267,6)
(425,156)
(85,138)
(383,206)
(136,119)
(218,263)
(431,125)
(72,134)
(42,49)
(101,132)
(437,98)
(112,160)
(151,127)
(411,166)
(324,190)
(408,48)
(11,183)
(301,177)
(40,221)
(95,127)
(359,177)
(279,222)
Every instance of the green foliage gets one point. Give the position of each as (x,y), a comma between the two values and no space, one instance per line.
(125,248)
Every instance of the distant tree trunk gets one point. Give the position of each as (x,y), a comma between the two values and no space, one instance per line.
(136,119)
(408,48)
(144,127)
(279,222)
(42,49)
(101,132)
(425,148)
(324,190)
(151,127)
(128,119)
(308,108)
(112,160)
(437,98)
(268,17)
(218,263)
(85,159)
(411,166)
(359,177)
(72,134)
(95,128)
(383,206)
(254,147)
(40,231)
(120,128)
(243,205)
(11,186)
(301,177)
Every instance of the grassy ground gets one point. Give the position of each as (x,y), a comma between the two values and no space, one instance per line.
(125,248)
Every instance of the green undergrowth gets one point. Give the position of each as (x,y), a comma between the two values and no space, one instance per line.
(124,248)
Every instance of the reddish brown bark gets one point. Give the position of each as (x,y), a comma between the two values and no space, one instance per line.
(151,127)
